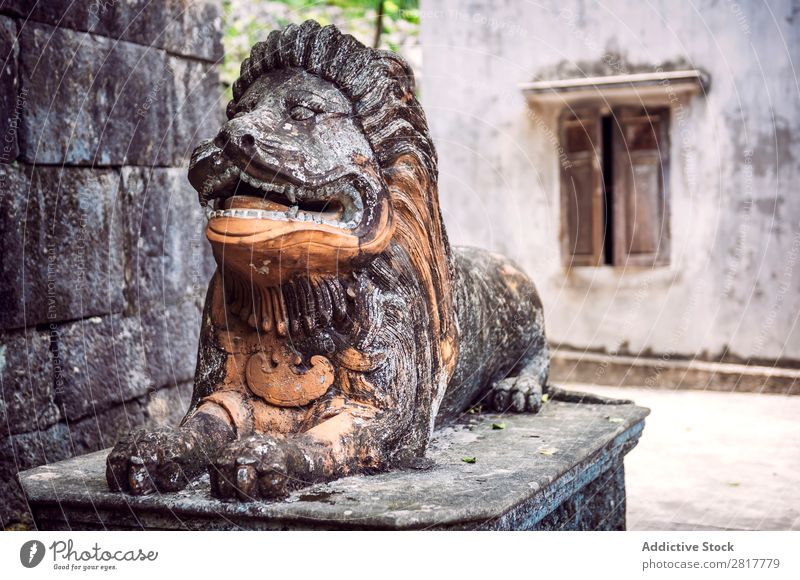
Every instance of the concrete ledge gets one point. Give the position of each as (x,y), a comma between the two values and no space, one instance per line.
(615,371)
(560,469)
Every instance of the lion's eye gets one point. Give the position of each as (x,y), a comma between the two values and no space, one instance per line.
(301,113)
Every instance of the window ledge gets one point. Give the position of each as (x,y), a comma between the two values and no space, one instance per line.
(619,278)
(635,87)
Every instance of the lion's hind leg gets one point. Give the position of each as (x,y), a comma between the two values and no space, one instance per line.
(522,392)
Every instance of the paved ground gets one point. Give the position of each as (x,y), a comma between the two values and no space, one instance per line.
(710,460)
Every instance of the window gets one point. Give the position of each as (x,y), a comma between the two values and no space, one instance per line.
(614,186)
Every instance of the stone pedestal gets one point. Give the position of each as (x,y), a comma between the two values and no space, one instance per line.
(559,470)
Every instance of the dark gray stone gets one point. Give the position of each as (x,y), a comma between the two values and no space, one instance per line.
(24,451)
(158,408)
(13,505)
(560,469)
(10,102)
(61,253)
(113,359)
(93,100)
(194,29)
(168,254)
(131,92)
(169,335)
(27,382)
(198,107)
(61,441)
(41,447)
(190,28)
(103,364)
(599,505)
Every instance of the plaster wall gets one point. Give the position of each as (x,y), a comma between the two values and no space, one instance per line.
(732,287)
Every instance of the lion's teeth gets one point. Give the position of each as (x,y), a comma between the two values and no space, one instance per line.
(345,194)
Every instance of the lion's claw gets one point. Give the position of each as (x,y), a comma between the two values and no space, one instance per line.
(517,394)
(149,461)
(253,468)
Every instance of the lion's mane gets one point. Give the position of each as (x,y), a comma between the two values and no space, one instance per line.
(380,85)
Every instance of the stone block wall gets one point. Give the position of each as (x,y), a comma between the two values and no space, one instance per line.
(103,259)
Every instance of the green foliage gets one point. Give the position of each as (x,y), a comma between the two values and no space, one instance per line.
(248,22)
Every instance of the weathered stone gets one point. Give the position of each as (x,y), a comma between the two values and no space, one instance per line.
(102,108)
(599,505)
(61,441)
(10,102)
(42,447)
(166,406)
(61,253)
(168,254)
(103,364)
(24,451)
(13,505)
(27,382)
(188,28)
(157,408)
(105,98)
(336,284)
(169,335)
(560,469)
(113,359)
(194,29)
(198,109)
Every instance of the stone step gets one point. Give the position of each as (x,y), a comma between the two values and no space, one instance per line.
(665,373)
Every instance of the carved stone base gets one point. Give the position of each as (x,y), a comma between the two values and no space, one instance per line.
(559,470)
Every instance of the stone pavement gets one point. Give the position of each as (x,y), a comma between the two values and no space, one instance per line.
(711,460)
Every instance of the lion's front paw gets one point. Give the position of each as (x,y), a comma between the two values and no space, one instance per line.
(147,461)
(256,467)
(519,394)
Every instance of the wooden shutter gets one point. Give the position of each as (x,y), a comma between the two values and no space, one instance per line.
(640,142)
(581,188)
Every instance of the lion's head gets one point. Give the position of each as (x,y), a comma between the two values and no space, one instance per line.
(324,160)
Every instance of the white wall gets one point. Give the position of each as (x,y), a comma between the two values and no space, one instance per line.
(734,278)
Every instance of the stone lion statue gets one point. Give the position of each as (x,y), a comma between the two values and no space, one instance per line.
(339,327)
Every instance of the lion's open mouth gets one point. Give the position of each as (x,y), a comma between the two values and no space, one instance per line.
(238,194)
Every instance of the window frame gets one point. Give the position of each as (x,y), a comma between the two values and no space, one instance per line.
(585,119)
(617,190)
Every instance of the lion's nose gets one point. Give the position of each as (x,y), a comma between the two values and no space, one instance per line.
(236,138)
